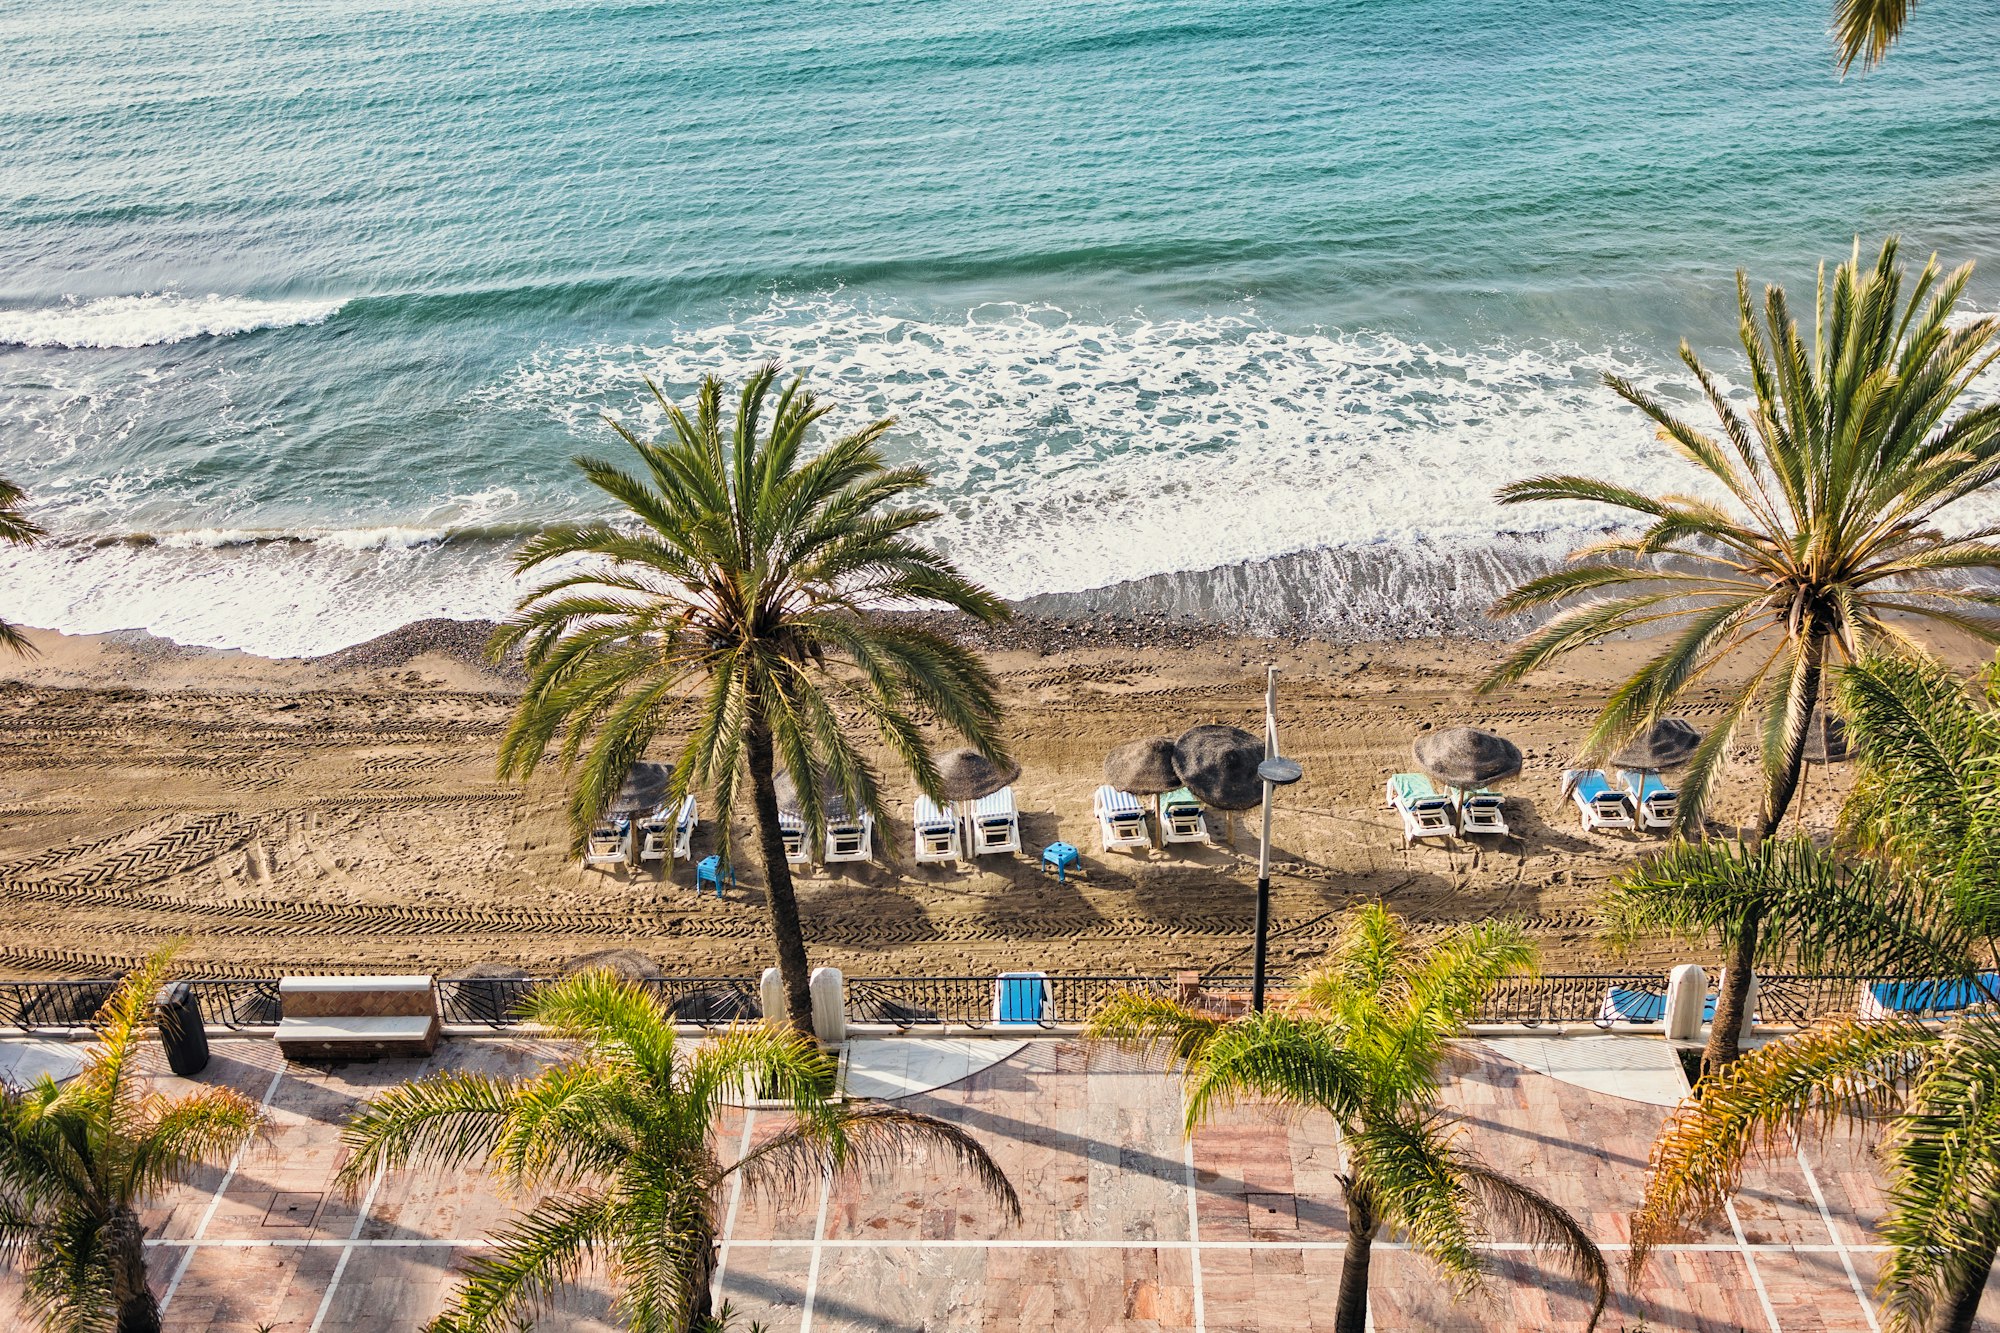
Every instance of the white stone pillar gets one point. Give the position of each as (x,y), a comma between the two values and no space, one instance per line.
(771,997)
(829,1001)
(1687,996)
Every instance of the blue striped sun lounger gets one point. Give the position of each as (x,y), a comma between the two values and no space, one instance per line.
(1928,999)
(1426,812)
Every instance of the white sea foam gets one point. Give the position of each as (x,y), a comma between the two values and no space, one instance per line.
(153,318)
(1340,480)
(1072,454)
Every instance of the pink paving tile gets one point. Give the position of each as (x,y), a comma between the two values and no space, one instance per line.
(1811,1293)
(243,1289)
(245,1066)
(1520,1291)
(1700,1291)
(767,1285)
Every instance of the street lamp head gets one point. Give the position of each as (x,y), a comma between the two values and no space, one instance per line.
(1280,771)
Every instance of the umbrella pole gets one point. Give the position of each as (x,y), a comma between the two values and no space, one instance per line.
(1264,844)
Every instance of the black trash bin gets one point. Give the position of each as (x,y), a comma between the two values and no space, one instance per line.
(182,1036)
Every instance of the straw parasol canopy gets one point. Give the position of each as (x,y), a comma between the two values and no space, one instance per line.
(629,964)
(1219,765)
(645,786)
(968,775)
(1143,767)
(1467,757)
(1668,743)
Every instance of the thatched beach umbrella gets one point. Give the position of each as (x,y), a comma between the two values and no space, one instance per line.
(629,964)
(1466,757)
(645,786)
(1143,767)
(1668,743)
(968,775)
(1219,765)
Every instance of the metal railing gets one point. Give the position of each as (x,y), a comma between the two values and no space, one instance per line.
(29,1005)
(239,1004)
(907,1003)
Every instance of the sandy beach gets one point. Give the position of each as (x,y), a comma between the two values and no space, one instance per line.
(343,814)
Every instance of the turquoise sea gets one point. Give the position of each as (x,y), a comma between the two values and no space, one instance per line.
(304,305)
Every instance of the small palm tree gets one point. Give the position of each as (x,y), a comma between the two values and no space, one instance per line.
(1943,1090)
(1367,1041)
(1786,901)
(745,601)
(78,1162)
(1926,801)
(1834,476)
(16,529)
(621,1136)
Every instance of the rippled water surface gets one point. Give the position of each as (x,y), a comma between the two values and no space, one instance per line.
(303,307)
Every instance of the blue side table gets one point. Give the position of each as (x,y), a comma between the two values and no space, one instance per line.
(1061,858)
(711,871)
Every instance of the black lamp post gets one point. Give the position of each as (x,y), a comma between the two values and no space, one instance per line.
(1275,771)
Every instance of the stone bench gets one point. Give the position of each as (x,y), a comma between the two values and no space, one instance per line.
(357,1018)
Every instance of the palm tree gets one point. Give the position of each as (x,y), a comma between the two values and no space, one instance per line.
(744,601)
(1943,1089)
(78,1162)
(16,529)
(621,1137)
(1926,800)
(1864,30)
(1825,545)
(1367,1041)
(1786,901)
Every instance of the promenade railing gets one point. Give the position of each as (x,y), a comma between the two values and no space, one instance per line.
(916,1003)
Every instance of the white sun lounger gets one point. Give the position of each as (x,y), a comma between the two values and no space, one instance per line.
(935,830)
(848,837)
(1598,803)
(1656,804)
(684,827)
(992,824)
(1482,811)
(654,840)
(792,828)
(1181,818)
(608,842)
(1426,811)
(1121,820)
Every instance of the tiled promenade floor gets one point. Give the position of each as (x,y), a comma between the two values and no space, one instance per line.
(1127,1226)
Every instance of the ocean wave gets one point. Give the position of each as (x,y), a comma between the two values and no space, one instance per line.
(153,319)
(1073,453)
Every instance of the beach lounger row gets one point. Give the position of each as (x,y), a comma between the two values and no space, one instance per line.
(842,836)
(1428,812)
(1630,801)
(661,835)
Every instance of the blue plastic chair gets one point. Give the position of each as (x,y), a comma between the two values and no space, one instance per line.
(1623,1005)
(711,871)
(1061,858)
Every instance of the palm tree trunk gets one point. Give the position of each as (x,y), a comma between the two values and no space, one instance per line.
(1785,783)
(1350,1312)
(1958,1311)
(138,1312)
(786,932)
(1725,1033)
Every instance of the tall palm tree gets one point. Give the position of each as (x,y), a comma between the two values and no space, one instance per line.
(621,1137)
(1367,1041)
(1942,1148)
(16,529)
(78,1162)
(1786,901)
(1823,544)
(742,597)
(1864,30)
